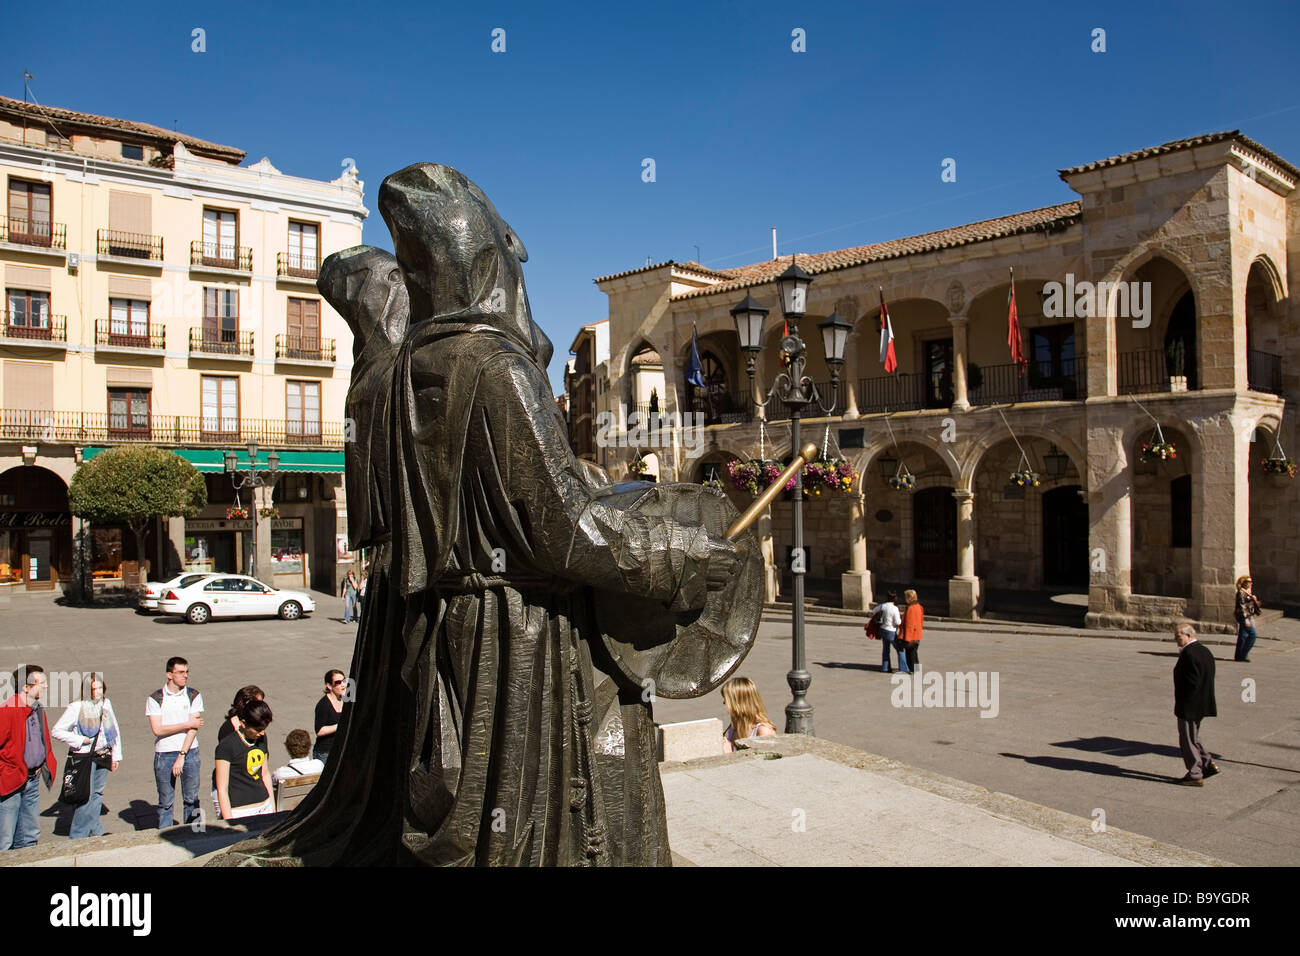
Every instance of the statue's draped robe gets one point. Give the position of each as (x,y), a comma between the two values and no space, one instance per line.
(489,724)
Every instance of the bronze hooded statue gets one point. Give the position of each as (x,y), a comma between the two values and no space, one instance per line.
(522,611)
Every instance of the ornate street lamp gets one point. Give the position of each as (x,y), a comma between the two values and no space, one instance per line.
(796,391)
(888,465)
(251,479)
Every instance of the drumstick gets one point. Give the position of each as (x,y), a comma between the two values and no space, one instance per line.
(751,514)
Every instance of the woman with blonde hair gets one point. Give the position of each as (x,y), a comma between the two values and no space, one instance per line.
(89,726)
(748,715)
(1247,609)
(913,624)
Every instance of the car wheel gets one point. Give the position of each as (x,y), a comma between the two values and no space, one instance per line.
(198,614)
(290,610)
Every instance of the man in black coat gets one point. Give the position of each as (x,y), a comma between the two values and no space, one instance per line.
(1193,700)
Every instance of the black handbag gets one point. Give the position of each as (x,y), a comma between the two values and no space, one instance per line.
(77,774)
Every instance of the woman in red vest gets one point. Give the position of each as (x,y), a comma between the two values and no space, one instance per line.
(913,626)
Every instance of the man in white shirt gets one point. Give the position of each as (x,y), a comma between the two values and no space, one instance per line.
(175,715)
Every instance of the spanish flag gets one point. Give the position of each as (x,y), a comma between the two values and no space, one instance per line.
(887,357)
(1013,327)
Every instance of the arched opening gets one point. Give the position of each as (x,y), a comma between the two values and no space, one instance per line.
(724,397)
(1274,522)
(1163,509)
(934,534)
(35,528)
(645,379)
(1157,330)
(1052,337)
(923,350)
(1031,542)
(1264,314)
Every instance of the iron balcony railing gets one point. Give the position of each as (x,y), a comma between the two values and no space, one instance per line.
(221,256)
(221,342)
(34,232)
(1003,384)
(1142,372)
(1264,372)
(129,245)
(296,265)
(722,408)
(900,392)
(180,430)
(312,348)
(41,327)
(152,336)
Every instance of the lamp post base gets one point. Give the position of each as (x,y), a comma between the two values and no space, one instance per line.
(799,713)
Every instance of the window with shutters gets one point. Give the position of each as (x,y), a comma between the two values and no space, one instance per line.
(29,213)
(220,404)
(221,238)
(303,249)
(303,328)
(128,413)
(302,411)
(128,322)
(27,315)
(220,319)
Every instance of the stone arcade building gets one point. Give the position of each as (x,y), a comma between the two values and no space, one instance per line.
(1208,228)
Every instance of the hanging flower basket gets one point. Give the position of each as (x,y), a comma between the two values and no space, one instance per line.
(903,482)
(236,513)
(1280,466)
(1025,478)
(268,512)
(1159,451)
(828,474)
(755,475)
(637,466)
(712,483)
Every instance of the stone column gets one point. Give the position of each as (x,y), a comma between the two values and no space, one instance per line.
(1221,506)
(769,556)
(849,377)
(1110,527)
(855,584)
(964,589)
(262,499)
(176,537)
(1102,357)
(960,399)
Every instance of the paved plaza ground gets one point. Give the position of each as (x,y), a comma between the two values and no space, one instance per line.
(1084,723)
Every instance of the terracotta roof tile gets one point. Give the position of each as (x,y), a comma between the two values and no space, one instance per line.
(692,266)
(1047,219)
(1189,143)
(201,147)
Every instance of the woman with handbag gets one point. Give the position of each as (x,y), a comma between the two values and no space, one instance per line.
(1247,610)
(888,620)
(89,728)
(913,624)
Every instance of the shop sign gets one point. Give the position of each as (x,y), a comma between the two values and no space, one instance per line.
(222,524)
(35,519)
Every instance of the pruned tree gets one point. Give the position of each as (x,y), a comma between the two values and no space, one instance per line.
(133,484)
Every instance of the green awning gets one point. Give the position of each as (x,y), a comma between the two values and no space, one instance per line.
(212,460)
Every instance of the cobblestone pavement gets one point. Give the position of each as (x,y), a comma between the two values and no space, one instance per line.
(1084,724)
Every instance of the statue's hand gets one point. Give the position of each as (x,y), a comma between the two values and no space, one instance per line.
(721,561)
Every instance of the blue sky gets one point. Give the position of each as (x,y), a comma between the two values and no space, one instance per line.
(836,146)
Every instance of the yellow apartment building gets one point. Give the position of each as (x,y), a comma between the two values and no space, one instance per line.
(156,291)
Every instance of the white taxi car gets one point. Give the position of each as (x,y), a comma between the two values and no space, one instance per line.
(233,595)
(156,589)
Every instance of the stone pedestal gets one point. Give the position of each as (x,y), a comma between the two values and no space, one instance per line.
(690,740)
(964,597)
(855,590)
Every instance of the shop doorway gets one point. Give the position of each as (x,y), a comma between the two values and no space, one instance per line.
(211,551)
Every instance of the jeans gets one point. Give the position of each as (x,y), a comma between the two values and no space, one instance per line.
(1245,641)
(162,775)
(20,816)
(887,641)
(85,821)
(349,608)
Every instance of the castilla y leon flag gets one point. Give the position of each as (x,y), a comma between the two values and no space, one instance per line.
(1013,327)
(694,372)
(887,357)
